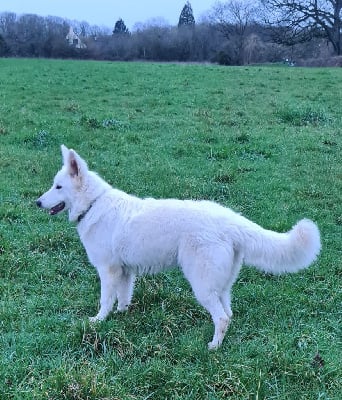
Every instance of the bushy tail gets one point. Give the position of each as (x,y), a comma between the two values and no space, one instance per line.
(278,253)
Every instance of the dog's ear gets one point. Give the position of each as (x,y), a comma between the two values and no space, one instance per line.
(65,154)
(75,165)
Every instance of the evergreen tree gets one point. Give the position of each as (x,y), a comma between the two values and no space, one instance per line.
(186,17)
(120,27)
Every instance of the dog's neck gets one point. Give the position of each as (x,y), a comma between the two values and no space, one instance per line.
(85,212)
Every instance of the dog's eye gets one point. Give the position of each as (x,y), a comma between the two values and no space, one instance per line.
(58,187)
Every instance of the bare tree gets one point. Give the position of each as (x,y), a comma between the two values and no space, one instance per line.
(55,44)
(301,20)
(7,23)
(233,19)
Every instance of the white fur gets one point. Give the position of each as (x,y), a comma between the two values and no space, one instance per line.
(125,236)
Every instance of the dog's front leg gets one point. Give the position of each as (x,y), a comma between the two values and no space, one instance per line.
(124,290)
(109,276)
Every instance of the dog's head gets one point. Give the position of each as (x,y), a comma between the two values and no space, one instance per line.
(67,185)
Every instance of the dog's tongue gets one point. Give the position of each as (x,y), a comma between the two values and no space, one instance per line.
(56,209)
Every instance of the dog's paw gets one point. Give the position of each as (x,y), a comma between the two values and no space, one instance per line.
(122,308)
(214,345)
(94,320)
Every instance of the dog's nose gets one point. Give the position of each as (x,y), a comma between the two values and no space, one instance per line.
(39,203)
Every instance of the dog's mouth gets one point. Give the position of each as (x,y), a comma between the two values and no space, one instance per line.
(58,208)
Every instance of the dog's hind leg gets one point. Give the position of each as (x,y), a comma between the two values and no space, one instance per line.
(212,303)
(225,295)
(207,268)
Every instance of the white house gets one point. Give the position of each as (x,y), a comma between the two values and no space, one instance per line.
(74,40)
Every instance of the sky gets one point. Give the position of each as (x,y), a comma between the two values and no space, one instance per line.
(107,12)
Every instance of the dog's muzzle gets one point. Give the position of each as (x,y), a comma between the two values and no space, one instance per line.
(54,210)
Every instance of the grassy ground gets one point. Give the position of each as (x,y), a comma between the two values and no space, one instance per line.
(264,141)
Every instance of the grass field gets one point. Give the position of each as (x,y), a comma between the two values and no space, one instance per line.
(265,141)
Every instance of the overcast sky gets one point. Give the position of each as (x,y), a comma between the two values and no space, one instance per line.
(107,12)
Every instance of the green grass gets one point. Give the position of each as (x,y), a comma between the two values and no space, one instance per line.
(264,141)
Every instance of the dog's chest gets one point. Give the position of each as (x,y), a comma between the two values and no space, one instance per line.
(98,243)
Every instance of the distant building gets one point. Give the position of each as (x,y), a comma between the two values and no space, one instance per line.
(74,40)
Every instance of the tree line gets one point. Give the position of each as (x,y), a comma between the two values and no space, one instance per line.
(236,32)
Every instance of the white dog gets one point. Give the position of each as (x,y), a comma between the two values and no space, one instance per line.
(125,236)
